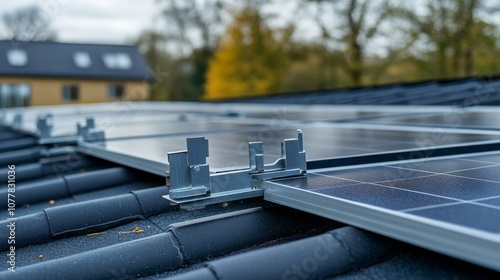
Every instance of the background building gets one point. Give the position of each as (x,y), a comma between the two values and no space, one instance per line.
(49,73)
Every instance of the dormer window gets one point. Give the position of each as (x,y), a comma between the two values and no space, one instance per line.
(82,59)
(17,57)
(117,61)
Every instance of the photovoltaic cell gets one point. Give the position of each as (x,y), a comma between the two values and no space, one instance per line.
(443,198)
(390,198)
(229,149)
(465,214)
(452,119)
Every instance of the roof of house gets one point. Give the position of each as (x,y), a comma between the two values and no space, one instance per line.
(82,214)
(71,60)
(449,92)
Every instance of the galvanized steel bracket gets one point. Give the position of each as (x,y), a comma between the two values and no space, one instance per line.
(17,122)
(44,125)
(191,185)
(89,133)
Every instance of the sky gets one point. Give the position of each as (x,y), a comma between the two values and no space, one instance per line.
(94,21)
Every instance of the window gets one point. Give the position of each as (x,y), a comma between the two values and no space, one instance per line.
(14,95)
(17,57)
(22,95)
(6,96)
(82,59)
(71,93)
(117,61)
(116,91)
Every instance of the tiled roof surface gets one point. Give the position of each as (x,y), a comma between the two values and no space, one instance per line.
(51,59)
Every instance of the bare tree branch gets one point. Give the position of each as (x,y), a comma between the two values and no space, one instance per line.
(28,24)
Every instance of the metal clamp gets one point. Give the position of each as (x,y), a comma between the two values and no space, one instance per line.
(17,122)
(2,117)
(88,132)
(192,185)
(44,125)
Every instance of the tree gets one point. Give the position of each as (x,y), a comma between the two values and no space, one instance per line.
(359,23)
(250,59)
(28,24)
(193,28)
(192,23)
(454,33)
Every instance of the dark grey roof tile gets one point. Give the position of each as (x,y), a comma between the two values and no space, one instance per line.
(333,253)
(52,59)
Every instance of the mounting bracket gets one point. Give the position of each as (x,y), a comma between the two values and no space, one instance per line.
(88,132)
(85,133)
(192,186)
(44,125)
(17,122)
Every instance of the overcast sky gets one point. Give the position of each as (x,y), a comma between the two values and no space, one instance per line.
(105,21)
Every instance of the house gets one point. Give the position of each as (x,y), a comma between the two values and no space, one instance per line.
(51,73)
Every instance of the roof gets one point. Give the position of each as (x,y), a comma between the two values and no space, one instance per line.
(461,92)
(85,210)
(53,59)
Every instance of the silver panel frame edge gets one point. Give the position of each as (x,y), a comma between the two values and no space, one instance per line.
(149,166)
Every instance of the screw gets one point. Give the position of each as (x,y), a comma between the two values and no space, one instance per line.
(196,169)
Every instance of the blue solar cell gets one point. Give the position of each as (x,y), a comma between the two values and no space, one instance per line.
(441,166)
(466,214)
(375,174)
(485,173)
(491,201)
(390,198)
(495,158)
(449,186)
(318,181)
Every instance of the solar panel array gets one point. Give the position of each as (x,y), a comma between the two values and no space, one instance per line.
(458,92)
(428,176)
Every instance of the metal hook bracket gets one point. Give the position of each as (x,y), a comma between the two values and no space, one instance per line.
(44,125)
(89,133)
(192,185)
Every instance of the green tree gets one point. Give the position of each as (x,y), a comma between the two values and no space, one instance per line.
(355,25)
(452,34)
(193,27)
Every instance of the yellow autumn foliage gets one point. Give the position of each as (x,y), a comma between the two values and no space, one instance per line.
(248,62)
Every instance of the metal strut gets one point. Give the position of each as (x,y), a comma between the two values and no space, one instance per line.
(44,125)
(192,185)
(89,133)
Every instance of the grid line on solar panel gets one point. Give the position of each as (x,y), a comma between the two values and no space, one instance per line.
(484,158)
(490,201)
(427,187)
(455,184)
(360,191)
(471,202)
(465,214)
(472,175)
(469,120)
(431,206)
(442,165)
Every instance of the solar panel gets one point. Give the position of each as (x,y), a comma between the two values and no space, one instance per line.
(450,204)
(228,149)
(457,118)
